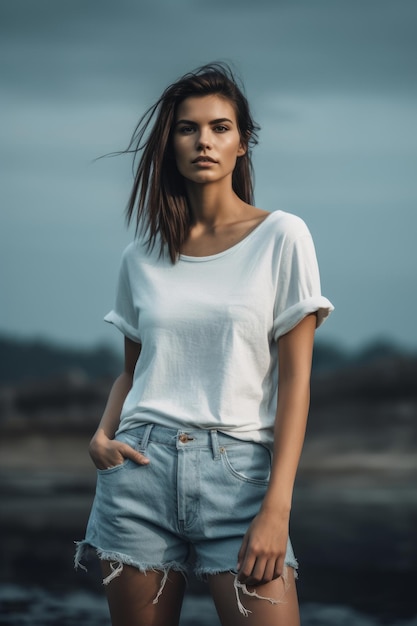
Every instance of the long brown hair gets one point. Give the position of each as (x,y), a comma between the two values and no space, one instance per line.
(158,198)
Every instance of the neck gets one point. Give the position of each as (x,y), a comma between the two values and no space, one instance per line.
(213,204)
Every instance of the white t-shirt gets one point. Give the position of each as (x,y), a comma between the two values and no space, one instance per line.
(209,326)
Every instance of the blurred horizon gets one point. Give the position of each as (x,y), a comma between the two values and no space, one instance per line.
(382,342)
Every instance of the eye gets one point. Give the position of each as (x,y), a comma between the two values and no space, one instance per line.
(185,130)
(221,128)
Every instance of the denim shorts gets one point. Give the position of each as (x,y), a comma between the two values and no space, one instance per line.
(202,488)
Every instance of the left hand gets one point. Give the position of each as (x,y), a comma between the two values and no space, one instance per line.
(262,553)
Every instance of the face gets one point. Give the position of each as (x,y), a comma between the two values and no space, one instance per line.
(206,139)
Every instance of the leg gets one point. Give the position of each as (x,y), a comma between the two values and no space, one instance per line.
(131,594)
(263,613)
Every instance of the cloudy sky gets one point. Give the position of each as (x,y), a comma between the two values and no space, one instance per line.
(332,84)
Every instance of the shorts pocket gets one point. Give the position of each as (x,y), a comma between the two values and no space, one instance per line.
(249,462)
(113,469)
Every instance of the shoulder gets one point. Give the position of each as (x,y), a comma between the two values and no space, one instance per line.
(141,254)
(129,255)
(136,251)
(286,227)
(132,250)
(131,259)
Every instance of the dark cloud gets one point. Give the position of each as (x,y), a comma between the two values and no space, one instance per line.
(101,45)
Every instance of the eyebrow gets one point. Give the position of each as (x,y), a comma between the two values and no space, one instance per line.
(218,121)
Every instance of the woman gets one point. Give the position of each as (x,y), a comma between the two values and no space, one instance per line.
(200,440)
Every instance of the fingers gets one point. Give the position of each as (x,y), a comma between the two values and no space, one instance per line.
(260,573)
(115,453)
(279,567)
(257,569)
(130,453)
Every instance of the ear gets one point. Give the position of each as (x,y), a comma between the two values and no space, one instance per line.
(243,148)
(244,142)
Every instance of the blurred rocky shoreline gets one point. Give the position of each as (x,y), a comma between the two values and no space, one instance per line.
(354,516)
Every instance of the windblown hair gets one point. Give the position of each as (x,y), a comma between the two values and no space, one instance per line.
(158,200)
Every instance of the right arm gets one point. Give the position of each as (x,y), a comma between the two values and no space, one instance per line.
(105,451)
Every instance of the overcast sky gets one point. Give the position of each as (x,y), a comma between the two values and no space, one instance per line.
(332,84)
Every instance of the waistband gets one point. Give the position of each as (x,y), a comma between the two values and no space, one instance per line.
(184,438)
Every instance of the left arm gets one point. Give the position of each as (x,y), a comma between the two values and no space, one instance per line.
(262,554)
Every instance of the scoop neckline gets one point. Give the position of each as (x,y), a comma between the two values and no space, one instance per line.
(217,255)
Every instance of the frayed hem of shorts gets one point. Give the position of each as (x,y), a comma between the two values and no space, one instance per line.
(203,573)
(117,560)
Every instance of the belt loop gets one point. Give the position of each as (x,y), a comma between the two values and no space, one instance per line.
(215,445)
(146,435)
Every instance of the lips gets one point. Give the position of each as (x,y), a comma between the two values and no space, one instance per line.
(204,159)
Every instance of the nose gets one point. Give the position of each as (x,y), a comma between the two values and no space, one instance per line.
(204,140)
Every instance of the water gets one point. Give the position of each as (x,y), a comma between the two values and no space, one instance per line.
(34,606)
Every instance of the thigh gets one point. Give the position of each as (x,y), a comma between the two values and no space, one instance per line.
(141,599)
(260,611)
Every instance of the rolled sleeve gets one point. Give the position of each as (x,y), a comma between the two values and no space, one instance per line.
(298,291)
(292,316)
(129,331)
(125,315)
